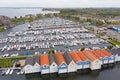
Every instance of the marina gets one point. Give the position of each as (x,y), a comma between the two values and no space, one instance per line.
(52,33)
(66,40)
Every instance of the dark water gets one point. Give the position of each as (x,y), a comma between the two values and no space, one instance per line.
(14,29)
(11,12)
(111,73)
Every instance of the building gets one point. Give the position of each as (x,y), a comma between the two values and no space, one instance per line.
(70,63)
(62,65)
(111,58)
(95,63)
(53,64)
(85,60)
(29,65)
(76,59)
(101,56)
(44,63)
(116,53)
(36,64)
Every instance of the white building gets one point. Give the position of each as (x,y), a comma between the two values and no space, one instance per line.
(85,61)
(77,60)
(53,65)
(95,63)
(44,63)
(29,65)
(70,63)
(36,64)
(62,66)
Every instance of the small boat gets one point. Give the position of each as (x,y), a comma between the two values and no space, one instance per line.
(3,72)
(18,73)
(7,72)
(11,71)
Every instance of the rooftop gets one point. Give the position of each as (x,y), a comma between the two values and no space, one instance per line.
(59,58)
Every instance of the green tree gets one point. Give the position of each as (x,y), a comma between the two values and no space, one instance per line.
(109,47)
(82,49)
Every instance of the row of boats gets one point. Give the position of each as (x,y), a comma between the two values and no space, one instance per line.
(7,72)
(10,72)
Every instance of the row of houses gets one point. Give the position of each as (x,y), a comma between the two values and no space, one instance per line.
(68,61)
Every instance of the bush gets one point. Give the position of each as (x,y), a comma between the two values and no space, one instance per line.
(82,49)
(51,51)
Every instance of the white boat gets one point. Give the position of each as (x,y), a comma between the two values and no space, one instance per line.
(18,73)
(11,71)
(7,72)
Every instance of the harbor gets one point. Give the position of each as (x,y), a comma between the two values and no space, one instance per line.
(56,35)
(66,39)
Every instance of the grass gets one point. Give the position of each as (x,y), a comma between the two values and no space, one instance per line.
(1,28)
(101,34)
(113,41)
(9,61)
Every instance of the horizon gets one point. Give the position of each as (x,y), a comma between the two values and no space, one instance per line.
(65,7)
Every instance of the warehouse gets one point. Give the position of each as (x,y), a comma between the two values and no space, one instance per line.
(101,56)
(95,62)
(45,67)
(70,61)
(29,65)
(53,64)
(62,65)
(36,64)
(85,60)
(76,59)
(111,58)
(116,53)
(71,64)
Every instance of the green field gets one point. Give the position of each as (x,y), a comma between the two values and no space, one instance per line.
(113,41)
(8,62)
(1,28)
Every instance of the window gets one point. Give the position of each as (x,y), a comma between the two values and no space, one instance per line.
(53,64)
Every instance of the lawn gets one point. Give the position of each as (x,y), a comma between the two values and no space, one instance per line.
(1,28)
(115,42)
(8,62)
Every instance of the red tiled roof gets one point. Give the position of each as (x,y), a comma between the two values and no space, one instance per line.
(44,59)
(82,56)
(106,53)
(75,56)
(59,58)
(99,53)
(90,55)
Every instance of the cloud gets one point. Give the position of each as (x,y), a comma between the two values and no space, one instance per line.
(60,3)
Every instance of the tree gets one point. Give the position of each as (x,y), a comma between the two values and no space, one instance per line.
(109,47)
(51,52)
(15,17)
(82,49)
(39,16)
(48,15)
(89,20)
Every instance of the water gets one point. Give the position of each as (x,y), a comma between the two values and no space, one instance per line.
(14,29)
(112,73)
(107,74)
(12,12)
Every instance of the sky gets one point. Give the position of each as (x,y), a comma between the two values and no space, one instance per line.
(60,3)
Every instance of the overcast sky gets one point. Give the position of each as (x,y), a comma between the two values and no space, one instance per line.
(60,3)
